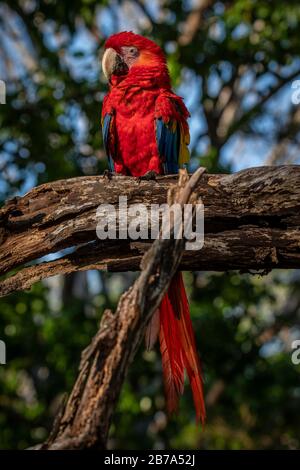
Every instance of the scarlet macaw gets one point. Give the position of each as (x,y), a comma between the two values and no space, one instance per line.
(145,132)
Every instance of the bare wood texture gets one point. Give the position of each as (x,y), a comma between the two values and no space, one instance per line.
(252,222)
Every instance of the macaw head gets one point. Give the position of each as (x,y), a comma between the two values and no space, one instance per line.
(127,51)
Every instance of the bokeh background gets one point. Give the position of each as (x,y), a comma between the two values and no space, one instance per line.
(234,62)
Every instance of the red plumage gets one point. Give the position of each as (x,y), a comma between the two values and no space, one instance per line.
(136,100)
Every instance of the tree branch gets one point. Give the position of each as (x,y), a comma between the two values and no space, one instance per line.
(85,419)
(252,222)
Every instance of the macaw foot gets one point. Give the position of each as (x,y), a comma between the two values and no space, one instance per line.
(108,174)
(149,176)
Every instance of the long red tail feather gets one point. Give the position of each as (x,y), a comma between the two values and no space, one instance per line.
(171,353)
(178,348)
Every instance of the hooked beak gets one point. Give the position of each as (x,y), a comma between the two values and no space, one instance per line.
(113,64)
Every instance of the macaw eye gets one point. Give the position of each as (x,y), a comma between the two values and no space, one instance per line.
(132,51)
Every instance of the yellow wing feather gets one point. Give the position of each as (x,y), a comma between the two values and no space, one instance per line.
(184,153)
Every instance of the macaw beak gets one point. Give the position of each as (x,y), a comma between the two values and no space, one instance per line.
(113,64)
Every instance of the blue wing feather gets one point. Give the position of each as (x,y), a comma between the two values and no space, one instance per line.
(168,141)
(105,132)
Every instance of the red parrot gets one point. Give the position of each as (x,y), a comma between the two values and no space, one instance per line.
(145,133)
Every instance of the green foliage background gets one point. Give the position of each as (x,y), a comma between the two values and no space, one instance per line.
(50,129)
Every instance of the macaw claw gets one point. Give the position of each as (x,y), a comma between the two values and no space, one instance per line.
(149,176)
(108,174)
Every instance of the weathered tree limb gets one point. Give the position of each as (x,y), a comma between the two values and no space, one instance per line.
(85,419)
(252,222)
